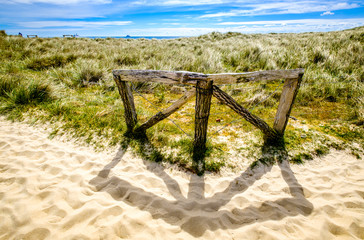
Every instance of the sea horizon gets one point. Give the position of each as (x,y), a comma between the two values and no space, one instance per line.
(95,37)
(134,37)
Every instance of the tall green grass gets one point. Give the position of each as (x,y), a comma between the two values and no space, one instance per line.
(54,61)
(16,92)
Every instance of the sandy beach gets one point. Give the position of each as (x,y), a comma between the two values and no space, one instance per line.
(52,189)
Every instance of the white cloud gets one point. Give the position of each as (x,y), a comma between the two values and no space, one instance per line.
(82,24)
(179,2)
(58,2)
(284,7)
(284,26)
(327,13)
(300,21)
(257,7)
(173,24)
(299,25)
(226,14)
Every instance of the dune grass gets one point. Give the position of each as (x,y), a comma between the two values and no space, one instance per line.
(68,82)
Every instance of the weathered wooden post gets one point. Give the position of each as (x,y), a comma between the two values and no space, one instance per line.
(128,101)
(202,112)
(289,92)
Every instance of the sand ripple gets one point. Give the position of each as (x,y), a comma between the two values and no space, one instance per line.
(53,190)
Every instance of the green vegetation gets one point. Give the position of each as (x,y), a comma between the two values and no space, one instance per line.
(68,82)
(50,62)
(3,33)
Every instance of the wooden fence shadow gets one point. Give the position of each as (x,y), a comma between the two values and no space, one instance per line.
(195,213)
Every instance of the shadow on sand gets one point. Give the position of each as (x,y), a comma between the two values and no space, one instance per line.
(195,213)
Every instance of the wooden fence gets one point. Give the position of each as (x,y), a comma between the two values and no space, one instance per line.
(32,36)
(206,87)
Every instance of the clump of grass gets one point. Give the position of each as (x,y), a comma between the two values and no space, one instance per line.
(90,76)
(127,60)
(299,158)
(3,33)
(7,84)
(12,67)
(249,59)
(214,166)
(87,74)
(54,61)
(160,93)
(322,150)
(13,48)
(344,131)
(35,93)
(318,57)
(22,94)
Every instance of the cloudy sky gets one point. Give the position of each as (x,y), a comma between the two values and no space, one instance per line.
(176,17)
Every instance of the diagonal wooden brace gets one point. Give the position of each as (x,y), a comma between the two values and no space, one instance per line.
(166,113)
(269,133)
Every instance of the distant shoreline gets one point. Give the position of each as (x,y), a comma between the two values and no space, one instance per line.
(118,37)
(134,37)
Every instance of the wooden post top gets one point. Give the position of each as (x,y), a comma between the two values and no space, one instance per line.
(191,78)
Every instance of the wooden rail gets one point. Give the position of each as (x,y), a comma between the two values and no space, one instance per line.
(69,36)
(32,36)
(206,86)
(191,78)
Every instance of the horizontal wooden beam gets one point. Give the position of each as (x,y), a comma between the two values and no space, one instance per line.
(230,78)
(159,76)
(191,78)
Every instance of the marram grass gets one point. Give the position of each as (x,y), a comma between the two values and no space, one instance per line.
(68,82)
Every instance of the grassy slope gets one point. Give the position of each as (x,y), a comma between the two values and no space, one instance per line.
(68,82)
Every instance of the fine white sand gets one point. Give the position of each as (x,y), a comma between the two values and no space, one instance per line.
(51,189)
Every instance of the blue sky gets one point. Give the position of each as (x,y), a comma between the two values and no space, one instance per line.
(176,17)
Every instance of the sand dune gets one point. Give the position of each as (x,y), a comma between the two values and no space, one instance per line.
(51,189)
